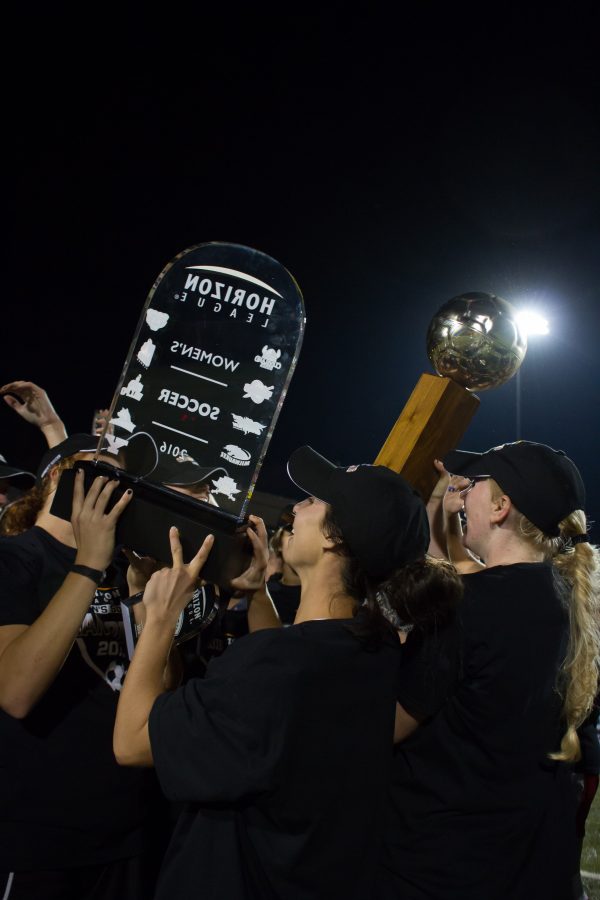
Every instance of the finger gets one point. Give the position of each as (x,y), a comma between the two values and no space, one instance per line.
(132,557)
(201,556)
(260,547)
(77,494)
(12,401)
(105,493)
(89,499)
(441,468)
(14,386)
(176,551)
(118,508)
(260,528)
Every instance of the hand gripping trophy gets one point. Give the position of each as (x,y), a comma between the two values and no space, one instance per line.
(474,343)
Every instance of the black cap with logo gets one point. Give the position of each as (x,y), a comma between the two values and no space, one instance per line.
(75,443)
(544,484)
(382,518)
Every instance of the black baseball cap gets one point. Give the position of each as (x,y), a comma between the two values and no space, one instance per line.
(544,484)
(75,443)
(382,518)
(19,477)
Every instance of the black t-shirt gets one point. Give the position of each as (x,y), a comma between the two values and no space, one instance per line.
(65,802)
(478,810)
(282,753)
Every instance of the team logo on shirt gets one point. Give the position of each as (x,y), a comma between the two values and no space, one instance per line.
(101,638)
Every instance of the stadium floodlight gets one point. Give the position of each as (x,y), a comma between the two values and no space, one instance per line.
(532,322)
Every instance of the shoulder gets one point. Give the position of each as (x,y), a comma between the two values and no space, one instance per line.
(308,647)
(504,587)
(20,553)
(258,649)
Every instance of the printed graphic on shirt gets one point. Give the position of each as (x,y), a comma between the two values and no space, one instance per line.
(257,391)
(196,615)
(101,638)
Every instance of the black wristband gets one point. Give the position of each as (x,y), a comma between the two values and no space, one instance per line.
(133,600)
(94,574)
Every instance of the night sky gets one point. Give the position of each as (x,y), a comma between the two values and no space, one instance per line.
(388,164)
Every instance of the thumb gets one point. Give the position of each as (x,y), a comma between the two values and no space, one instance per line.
(131,556)
(439,465)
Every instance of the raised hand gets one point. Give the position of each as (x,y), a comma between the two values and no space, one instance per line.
(171,589)
(93,527)
(100,417)
(32,403)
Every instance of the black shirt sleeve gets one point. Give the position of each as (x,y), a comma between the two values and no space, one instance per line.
(429,671)
(219,739)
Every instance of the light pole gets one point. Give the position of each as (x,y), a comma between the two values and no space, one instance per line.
(531,322)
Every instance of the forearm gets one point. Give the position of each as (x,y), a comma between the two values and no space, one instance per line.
(54,432)
(460,557)
(30,663)
(143,684)
(261,611)
(435,515)
(173,672)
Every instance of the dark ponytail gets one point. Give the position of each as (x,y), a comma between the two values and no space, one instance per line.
(423,594)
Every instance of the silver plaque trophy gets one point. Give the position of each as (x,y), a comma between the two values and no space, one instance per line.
(206,375)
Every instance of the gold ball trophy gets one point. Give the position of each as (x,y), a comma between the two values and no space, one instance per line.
(474,343)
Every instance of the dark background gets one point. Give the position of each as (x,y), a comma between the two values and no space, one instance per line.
(389,163)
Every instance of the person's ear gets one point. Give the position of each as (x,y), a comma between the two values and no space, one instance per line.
(501,507)
(54,475)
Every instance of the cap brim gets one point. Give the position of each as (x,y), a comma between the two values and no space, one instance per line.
(8,473)
(311,472)
(194,475)
(463,462)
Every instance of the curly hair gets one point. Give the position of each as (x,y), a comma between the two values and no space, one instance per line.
(21,515)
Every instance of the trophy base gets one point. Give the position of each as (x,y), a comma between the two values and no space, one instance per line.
(153,509)
(431,424)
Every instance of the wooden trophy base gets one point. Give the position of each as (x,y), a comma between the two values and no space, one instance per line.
(431,424)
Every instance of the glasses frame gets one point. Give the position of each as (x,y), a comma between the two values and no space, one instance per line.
(473,479)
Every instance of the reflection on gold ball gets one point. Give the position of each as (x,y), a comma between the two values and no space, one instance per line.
(475,340)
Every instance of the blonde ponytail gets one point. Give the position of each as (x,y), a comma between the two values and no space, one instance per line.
(579,565)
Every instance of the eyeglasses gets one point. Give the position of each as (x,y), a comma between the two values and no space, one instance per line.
(473,479)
